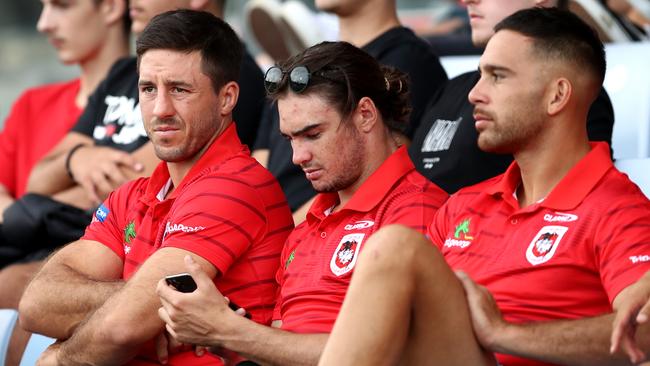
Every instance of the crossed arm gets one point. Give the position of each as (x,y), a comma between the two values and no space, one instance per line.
(97,170)
(567,342)
(110,319)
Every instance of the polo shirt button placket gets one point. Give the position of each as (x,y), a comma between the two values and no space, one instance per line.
(514,221)
(323,234)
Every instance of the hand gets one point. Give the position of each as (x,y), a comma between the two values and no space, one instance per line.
(632,309)
(98,170)
(166,346)
(49,357)
(201,317)
(487,319)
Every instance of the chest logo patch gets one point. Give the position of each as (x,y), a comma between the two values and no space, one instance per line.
(462,235)
(544,244)
(346,254)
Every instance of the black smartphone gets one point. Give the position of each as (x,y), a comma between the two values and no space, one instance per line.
(183,282)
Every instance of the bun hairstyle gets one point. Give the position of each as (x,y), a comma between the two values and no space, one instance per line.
(343,74)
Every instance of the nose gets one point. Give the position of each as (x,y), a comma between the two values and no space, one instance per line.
(301,154)
(163,106)
(477,94)
(45,23)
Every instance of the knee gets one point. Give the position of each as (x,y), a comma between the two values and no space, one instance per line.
(397,247)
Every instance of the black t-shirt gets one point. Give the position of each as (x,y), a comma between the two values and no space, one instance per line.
(112,117)
(445,150)
(398,47)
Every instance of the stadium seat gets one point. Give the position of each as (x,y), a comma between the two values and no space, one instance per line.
(37,344)
(8,319)
(638,170)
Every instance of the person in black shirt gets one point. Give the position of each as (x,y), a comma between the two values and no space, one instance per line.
(444,147)
(374,27)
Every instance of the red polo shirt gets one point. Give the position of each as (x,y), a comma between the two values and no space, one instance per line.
(565,257)
(320,254)
(228,210)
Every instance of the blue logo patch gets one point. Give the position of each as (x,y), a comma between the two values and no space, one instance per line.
(101,213)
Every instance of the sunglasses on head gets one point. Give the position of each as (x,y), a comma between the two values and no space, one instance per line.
(299,78)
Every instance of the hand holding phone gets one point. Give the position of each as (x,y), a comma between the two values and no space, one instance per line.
(183,282)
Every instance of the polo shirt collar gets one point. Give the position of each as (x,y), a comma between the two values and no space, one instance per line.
(372,191)
(572,189)
(222,148)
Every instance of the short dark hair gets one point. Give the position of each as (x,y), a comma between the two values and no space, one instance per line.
(352,75)
(188,31)
(559,34)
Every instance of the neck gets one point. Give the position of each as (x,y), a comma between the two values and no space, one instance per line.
(543,165)
(367,24)
(379,151)
(95,68)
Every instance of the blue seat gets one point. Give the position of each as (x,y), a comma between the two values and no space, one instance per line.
(8,319)
(37,344)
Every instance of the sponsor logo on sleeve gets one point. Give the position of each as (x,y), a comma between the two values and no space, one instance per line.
(560,217)
(639,258)
(363,224)
(346,254)
(171,228)
(462,237)
(101,213)
(544,244)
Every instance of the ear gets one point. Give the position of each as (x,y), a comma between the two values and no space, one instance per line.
(199,4)
(113,10)
(366,115)
(545,3)
(228,96)
(559,95)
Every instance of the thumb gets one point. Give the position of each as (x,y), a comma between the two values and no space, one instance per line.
(200,277)
(469,285)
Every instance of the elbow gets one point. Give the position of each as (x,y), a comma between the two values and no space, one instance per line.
(125,333)
(28,313)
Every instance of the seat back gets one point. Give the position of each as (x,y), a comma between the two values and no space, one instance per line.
(8,319)
(36,345)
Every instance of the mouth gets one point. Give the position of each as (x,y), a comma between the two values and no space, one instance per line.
(56,42)
(481,119)
(313,173)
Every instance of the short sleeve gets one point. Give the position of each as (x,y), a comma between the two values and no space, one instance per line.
(218,220)
(8,140)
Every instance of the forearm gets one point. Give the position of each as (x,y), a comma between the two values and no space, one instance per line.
(60,298)
(49,176)
(571,342)
(272,346)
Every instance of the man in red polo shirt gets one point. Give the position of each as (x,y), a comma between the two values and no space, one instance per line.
(345,116)
(556,240)
(208,200)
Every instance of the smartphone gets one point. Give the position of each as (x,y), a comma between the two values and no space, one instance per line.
(183,282)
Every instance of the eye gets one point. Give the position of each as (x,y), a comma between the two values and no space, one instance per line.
(147,89)
(312,136)
(178,90)
(496,76)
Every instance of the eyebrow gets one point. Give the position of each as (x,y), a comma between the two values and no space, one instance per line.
(302,131)
(173,83)
(494,68)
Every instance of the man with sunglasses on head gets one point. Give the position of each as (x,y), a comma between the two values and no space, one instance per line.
(344,115)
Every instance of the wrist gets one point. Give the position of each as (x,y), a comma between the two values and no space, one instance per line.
(503,337)
(68,160)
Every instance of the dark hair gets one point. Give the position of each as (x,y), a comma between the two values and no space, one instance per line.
(559,34)
(351,75)
(188,31)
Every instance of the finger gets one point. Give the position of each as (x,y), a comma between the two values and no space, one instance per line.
(203,281)
(166,292)
(161,348)
(127,160)
(471,288)
(101,183)
(164,316)
(631,349)
(621,323)
(240,312)
(172,333)
(200,350)
(644,313)
(87,184)
(114,174)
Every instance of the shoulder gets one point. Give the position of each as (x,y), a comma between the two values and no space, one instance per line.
(121,67)
(47,91)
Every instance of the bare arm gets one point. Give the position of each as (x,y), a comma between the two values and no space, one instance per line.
(567,342)
(203,318)
(49,175)
(112,335)
(633,309)
(73,283)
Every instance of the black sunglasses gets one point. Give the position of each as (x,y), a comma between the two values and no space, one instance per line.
(298,79)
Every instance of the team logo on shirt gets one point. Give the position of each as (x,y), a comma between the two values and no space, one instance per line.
(462,235)
(544,244)
(346,254)
(129,234)
(101,213)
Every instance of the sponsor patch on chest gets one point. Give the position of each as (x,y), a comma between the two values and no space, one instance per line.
(544,244)
(346,254)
